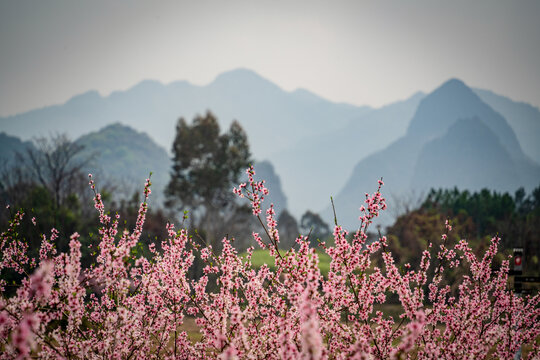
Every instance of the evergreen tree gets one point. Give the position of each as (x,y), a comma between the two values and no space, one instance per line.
(206,166)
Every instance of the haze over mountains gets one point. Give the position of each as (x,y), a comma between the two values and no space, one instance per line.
(454,139)
(274,119)
(452,136)
(318,167)
(524,119)
(262,108)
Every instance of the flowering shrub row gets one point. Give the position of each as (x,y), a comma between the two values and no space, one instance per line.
(130,307)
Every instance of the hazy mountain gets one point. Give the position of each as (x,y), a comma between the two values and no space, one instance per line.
(454,100)
(123,157)
(116,155)
(9,146)
(273,118)
(314,145)
(395,164)
(469,156)
(317,168)
(522,117)
(451,137)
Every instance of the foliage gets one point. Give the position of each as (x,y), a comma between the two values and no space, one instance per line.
(74,215)
(413,231)
(206,165)
(516,219)
(127,306)
(46,179)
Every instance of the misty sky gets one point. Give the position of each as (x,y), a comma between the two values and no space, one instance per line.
(365,53)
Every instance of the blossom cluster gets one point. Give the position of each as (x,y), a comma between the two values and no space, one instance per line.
(126,306)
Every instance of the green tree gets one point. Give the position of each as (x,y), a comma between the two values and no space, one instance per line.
(477,216)
(206,166)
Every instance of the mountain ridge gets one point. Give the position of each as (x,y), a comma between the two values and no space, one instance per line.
(523,118)
(162,104)
(401,163)
(313,143)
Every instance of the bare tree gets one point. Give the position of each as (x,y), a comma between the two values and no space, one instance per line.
(405,203)
(56,163)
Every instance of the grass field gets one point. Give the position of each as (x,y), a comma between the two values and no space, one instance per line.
(261,257)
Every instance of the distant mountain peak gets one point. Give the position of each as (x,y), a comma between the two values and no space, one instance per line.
(143,88)
(118,126)
(452,89)
(438,110)
(453,82)
(243,72)
(306,95)
(118,130)
(243,78)
(88,96)
(148,83)
(523,117)
(470,156)
(416,95)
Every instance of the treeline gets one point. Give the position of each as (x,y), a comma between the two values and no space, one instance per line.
(475,216)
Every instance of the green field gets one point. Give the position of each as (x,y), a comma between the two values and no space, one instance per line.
(261,257)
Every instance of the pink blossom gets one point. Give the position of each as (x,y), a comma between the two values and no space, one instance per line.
(129,306)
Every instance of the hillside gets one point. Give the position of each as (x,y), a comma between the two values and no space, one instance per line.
(455,159)
(9,146)
(121,158)
(124,158)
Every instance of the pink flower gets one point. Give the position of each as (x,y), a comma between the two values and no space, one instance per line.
(41,281)
(126,305)
(23,336)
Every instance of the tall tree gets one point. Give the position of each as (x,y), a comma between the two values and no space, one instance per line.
(206,166)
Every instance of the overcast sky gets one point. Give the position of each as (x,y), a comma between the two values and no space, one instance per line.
(364,53)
